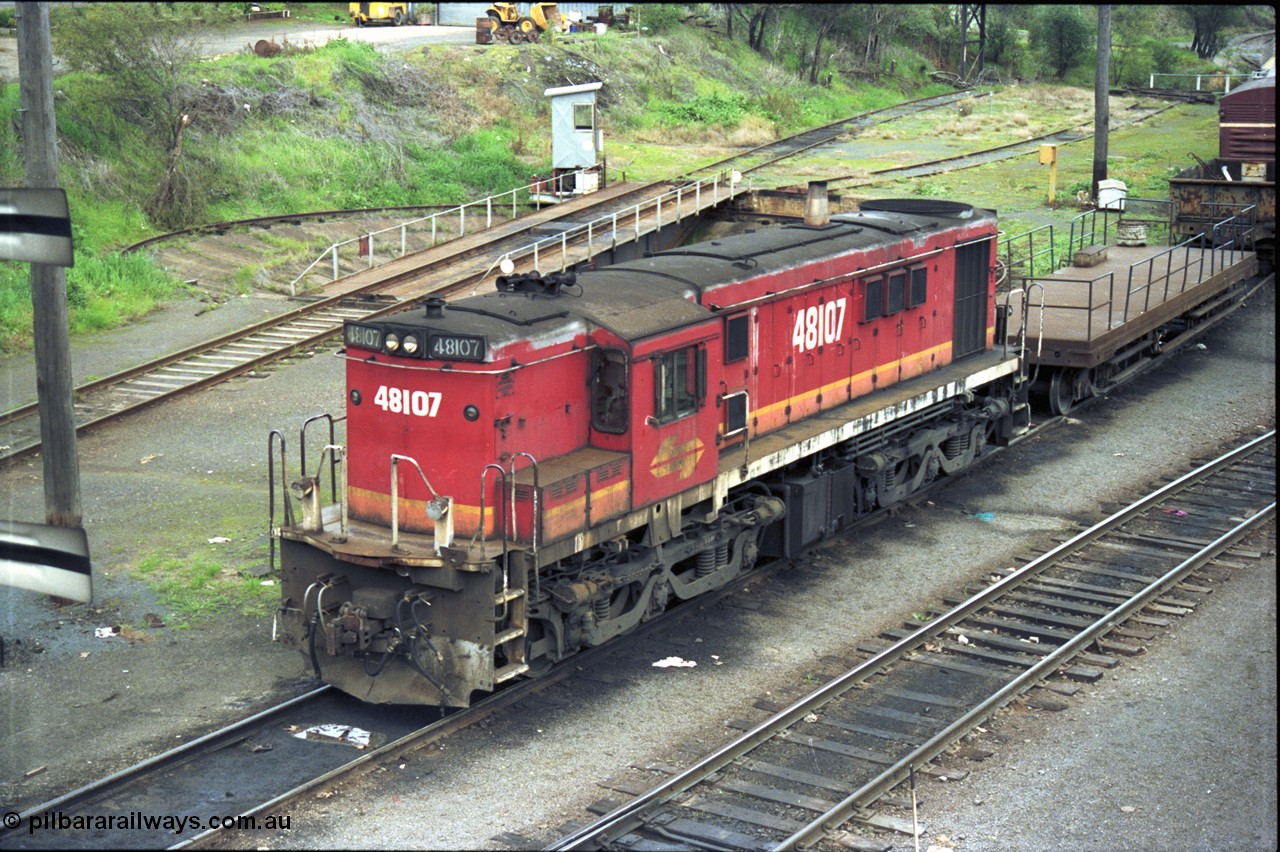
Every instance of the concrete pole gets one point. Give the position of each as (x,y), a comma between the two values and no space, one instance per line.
(48,283)
(1101,98)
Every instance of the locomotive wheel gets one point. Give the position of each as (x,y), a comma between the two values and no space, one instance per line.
(1060,392)
(517,37)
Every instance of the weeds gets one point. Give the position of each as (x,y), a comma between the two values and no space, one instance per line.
(200,586)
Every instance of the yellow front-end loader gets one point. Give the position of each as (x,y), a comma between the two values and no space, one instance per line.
(509,25)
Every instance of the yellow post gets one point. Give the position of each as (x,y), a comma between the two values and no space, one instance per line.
(1049,157)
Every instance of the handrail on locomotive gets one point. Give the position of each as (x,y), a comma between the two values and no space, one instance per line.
(438,509)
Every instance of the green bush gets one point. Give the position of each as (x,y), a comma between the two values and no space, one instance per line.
(659,17)
(720,110)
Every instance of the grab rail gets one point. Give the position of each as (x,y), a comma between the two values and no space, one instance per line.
(439,509)
(271,492)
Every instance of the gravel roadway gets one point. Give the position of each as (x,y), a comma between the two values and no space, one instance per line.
(243,36)
(1156,735)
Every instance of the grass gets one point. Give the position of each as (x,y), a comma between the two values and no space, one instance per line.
(195,587)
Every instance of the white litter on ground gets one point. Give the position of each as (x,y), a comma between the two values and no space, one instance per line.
(674,662)
(336,733)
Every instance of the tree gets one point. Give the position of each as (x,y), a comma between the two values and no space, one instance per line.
(1209,22)
(142,58)
(878,23)
(754,16)
(826,19)
(758,23)
(1063,36)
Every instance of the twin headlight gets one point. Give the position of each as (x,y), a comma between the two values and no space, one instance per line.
(394,343)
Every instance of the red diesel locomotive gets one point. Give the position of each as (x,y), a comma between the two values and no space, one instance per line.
(538,469)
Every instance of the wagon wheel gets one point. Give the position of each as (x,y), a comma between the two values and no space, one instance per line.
(503,34)
(517,37)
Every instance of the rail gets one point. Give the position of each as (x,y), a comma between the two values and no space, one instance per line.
(1001,679)
(365,242)
(722,186)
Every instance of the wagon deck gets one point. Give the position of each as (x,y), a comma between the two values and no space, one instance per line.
(1080,317)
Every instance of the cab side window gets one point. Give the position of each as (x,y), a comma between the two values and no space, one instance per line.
(679,380)
(609,409)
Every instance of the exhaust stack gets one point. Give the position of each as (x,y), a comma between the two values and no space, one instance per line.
(816,212)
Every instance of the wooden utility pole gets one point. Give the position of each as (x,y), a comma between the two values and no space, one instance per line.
(1101,99)
(48,283)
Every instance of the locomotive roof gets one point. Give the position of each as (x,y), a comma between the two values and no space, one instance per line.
(641,298)
(1257,88)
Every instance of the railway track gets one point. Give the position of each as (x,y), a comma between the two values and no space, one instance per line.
(237,777)
(796,778)
(241,775)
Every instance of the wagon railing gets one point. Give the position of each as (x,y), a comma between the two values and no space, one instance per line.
(1111,300)
(1028,256)
(1138,222)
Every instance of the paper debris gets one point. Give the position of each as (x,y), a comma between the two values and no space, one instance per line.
(106,632)
(345,734)
(674,662)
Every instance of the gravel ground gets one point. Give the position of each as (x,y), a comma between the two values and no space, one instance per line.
(193,469)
